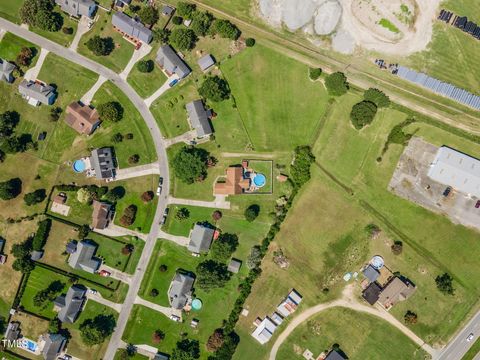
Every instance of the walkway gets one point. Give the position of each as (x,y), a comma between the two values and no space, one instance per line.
(32,73)
(83,27)
(167,311)
(186,138)
(160,91)
(137,171)
(220,202)
(179,240)
(117,274)
(99,299)
(116,231)
(87,98)
(137,55)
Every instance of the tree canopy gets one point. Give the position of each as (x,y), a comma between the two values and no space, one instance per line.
(225,29)
(35,197)
(161,35)
(255,257)
(186,9)
(148,15)
(314,73)
(190,164)
(41,235)
(186,350)
(336,84)
(214,88)
(363,114)
(201,22)
(8,122)
(100,46)
(110,111)
(211,274)
(10,189)
(224,247)
(251,212)
(300,169)
(377,97)
(445,284)
(145,66)
(95,331)
(183,39)
(39,13)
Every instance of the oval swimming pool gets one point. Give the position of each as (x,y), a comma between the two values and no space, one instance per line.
(259,180)
(197,304)
(79,166)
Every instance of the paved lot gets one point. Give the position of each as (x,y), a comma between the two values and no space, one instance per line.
(411,182)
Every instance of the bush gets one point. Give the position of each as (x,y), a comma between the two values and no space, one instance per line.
(314,73)
(215,341)
(377,97)
(163,268)
(201,22)
(97,330)
(224,247)
(158,336)
(154,293)
(336,84)
(115,194)
(300,169)
(186,350)
(84,196)
(182,214)
(100,46)
(214,88)
(183,39)
(397,247)
(363,114)
(255,257)
(10,189)
(110,111)
(24,265)
(83,231)
(145,66)
(41,235)
(24,58)
(372,230)
(189,164)
(250,42)
(161,35)
(226,29)
(410,317)
(148,15)
(117,138)
(445,284)
(35,197)
(134,159)
(186,9)
(216,215)
(177,20)
(128,217)
(55,113)
(67,30)
(147,196)
(211,274)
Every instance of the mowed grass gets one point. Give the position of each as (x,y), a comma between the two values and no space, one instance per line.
(11,45)
(59,36)
(10,10)
(119,57)
(278,104)
(359,335)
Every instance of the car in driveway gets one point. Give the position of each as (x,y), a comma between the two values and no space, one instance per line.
(159,190)
(163,220)
(166,211)
(173,83)
(477,205)
(175,318)
(105,273)
(447,191)
(470,337)
(160,181)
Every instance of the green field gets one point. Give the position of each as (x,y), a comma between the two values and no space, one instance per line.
(11,45)
(10,10)
(59,36)
(359,335)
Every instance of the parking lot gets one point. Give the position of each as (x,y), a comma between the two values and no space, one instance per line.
(411,182)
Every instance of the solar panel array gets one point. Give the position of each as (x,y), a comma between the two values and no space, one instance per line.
(439,87)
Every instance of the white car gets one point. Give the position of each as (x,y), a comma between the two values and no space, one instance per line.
(92,291)
(470,337)
(174,318)
(159,190)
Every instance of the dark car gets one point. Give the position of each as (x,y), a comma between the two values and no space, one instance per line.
(477,205)
(447,191)
(160,181)
(163,220)
(165,212)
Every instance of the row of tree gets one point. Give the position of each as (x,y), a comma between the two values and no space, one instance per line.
(39,13)
(10,142)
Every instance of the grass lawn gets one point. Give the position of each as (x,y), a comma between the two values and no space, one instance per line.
(359,335)
(10,10)
(32,326)
(79,213)
(474,350)
(183,227)
(264,167)
(11,45)
(59,36)
(137,356)
(279,105)
(123,51)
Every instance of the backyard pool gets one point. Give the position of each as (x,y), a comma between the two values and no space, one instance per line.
(259,180)
(29,345)
(197,304)
(79,166)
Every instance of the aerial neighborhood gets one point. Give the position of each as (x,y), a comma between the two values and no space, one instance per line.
(261,179)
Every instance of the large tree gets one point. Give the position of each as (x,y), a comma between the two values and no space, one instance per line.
(10,189)
(336,84)
(445,283)
(40,13)
(201,22)
(225,29)
(376,96)
(183,39)
(35,197)
(186,350)
(252,212)
(363,114)
(110,111)
(214,88)
(211,274)
(148,15)
(100,46)
(97,330)
(224,247)
(8,122)
(190,164)
(300,169)
(186,9)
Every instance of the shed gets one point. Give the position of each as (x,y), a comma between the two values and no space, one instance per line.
(167,10)
(234,266)
(36,255)
(206,62)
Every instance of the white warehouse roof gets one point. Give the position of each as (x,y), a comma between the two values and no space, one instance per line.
(458,170)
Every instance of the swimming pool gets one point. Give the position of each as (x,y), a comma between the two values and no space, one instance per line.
(30,345)
(196,304)
(259,180)
(79,166)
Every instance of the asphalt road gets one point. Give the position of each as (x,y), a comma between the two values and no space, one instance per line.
(159,148)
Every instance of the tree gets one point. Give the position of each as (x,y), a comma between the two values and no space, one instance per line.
(117,138)
(161,35)
(54,326)
(183,39)
(84,196)
(35,197)
(177,20)
(158,335)
(336,84)
(2,156)
(226,29)
(128,249)
(363,114)
(24,58)
(8,121)
(189,164)
(21,250)
(182,214)
(251,212)
(445,284)
(100,46)
(227,349)
(148,15)
(215,341)
(110,111)
(224,247)
(377,97)
(41,236)
(115,194)
(24,265)
(10,189)
(67,30)
(95,331)
(255,257)
(186,350)
(300,169)
(154,293)
(48,20)
(410,317)
(186,9)
(83,231)
(250,42)
(211,274)
(145,66)
(397,247)
(314,73)
(216,215)
(147,196)
(201,22)
(55,113)
(133,159)
(163,268)
(40,13)
(214,88)
(128,217)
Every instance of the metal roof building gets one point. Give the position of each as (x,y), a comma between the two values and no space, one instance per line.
(83,258)
(78,8)
(458,170)
(180,290)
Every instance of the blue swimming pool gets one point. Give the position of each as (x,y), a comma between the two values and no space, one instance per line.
(30,345)
(259,180)
(79,166)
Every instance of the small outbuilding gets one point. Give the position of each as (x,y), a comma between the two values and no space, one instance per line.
(6,70)
(167,10)
(371,273)
(234,266)
(205,62)
(36,255)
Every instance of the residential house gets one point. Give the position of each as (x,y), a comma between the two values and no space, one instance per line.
(119,4)
(36,92)
(398,289)
(83,257)
(335,355)
(290,304)
(13,331)
(82,118)
(71,304)
(171,63)
(234,266)
(102,215)
(131,28)
(180,290)
(6,70)
(372,293)
(78,8)
(199,118)
(264,331)
(235,182)
(206,62)
(54,344)
(200,239)
(103,163)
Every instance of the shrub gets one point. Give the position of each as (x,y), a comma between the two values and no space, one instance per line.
(182,214)
(134,159)
(211,274)
(147,196)
(100,46)
(251,212)
(83,231)
(186,350)
(226,29)
(128,217)
(55,113)
(177,20)
(163,268)
(363,114)
(445,284)
(189,164)
(10,189)
(35,197)
(300,169)
(372,230)
(183,39)
(110,111)
(410,317)
(145,66)
(97,330)
(186,9)
(336,84)
(215,341)
(117,138)
(67,30)
(214,88)
(148,15)
(250,42)
(377,97)
(161,35)
(314,73)
(154,293)
(115,194)
(41,235)
(397,247)
(216,215)
(255,257)
(158,335)
(25,56)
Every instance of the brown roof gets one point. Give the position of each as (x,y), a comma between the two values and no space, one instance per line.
(100,215)
(82,118)
(396,290)
(235,182)
(60,199)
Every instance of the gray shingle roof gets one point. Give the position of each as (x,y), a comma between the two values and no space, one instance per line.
(13,331)
(200,239)
(169,60)
(83,258)
(334,355)
(234,266)
(2,245)
(205,62)
(34,90)
(71,303)
(131,27)
(167,10)
(180,290)
(103,163)
(199,118)
(371,273)
(77,7)
(54,344)
(6,70)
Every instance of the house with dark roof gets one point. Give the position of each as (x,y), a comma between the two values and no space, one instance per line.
(206,62)
(102,215)
(103,163)
(398,289)
(82,118)
(36,92)
(83,258)
(78,8)
(200,239)
(6,70)
(71,304)
(171,63)
(335,355)
(199,118)
(54,344)
(13,331)
(180,290)
(372,293)
(132,29)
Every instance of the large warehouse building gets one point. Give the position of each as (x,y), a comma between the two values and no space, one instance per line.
(458,170)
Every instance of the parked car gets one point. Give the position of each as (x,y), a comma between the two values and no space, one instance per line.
(447,191)
(477,205)
(165,212)
(105,273)
(470,337)
(160,181)
(163,220)
(173,83)
(92,291)
(159,190)
(175,318)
